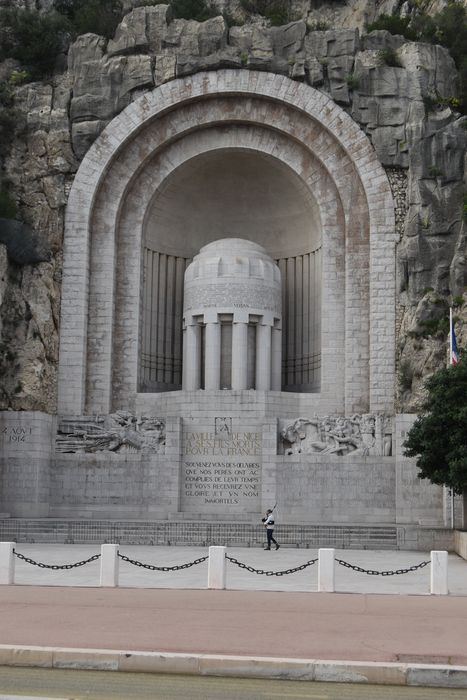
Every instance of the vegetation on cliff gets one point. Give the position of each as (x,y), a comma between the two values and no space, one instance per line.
(448,28)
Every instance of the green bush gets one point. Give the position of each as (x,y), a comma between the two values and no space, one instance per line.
(394,25)
(389,57)
(33,39)
(276,11)
(192,9)
(96,16)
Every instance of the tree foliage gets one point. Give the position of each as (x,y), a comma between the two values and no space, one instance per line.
(438,438)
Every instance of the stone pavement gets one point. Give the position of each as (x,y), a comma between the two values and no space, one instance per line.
(283,628)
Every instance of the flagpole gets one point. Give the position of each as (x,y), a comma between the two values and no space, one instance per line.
(451,491)
(450,335)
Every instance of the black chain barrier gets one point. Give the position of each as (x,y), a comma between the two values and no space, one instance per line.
(372,572)
(151,567)
(55,567)
(252,569)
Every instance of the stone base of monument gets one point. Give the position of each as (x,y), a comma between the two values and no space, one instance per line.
(203,477)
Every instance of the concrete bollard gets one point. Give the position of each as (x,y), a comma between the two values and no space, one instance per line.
(109,565)
(217,567)
(439,573)
(326,570)
(7,563)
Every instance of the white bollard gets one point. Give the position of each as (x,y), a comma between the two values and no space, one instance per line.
(326,570)
(439,573)
(217,568)
(7,563)
(109,565)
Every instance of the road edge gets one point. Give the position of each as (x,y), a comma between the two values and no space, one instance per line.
(374,672)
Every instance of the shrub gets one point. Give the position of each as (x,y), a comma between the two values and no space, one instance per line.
(97,16)
(434,171)
(352,81)
(389,57)
(395,25)
(276,11)
(33,39)
(192,9)
(406,375)
(318,26)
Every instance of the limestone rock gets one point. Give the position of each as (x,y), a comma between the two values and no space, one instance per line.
(103,88)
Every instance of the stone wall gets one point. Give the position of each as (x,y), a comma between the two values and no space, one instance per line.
(58,121)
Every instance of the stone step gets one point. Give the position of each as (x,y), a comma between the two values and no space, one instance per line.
(197,533)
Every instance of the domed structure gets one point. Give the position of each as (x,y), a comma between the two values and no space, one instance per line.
(232,318)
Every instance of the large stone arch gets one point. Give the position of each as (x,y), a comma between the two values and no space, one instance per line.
(139,149)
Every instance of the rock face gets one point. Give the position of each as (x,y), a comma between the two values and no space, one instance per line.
(403,108)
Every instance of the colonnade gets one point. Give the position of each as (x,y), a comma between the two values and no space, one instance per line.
(203,361)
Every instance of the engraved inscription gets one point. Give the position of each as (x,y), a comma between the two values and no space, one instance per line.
(221,469)
(15,434)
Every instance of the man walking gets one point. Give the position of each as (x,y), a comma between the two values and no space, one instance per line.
(268,521)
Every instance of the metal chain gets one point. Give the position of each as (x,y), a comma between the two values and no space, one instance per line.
(55,567)
(372,572)
(151,567)
(252,569)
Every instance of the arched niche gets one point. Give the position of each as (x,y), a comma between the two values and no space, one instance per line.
(231,193)
(128,172)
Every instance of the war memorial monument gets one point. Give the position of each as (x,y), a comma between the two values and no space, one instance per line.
(242,254)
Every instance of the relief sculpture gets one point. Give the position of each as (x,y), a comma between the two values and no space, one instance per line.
(116,432)
(361,434)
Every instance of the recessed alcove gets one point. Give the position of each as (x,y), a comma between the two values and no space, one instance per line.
(231,193)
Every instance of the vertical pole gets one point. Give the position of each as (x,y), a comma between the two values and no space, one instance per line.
(450,335)
(7,563)
(439,573)
(109,565)
(326,570)
(217,568)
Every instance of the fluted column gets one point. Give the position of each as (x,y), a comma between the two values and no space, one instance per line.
(239,355)
(276,359)
(212,354)
(263,357)
(192,375)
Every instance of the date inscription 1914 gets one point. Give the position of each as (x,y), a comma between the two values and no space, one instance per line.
(12,434)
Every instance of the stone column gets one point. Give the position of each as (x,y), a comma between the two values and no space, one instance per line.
(276,359)
(212,355)
(192,375)
(239,355)
(263,357)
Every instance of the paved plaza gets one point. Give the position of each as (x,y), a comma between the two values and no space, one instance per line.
(262,626)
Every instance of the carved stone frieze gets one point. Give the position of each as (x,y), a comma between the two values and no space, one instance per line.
(361,434)
(116,432)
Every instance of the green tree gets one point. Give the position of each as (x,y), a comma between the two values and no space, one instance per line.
(438,438)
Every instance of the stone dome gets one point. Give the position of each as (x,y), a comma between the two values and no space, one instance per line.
(231,274)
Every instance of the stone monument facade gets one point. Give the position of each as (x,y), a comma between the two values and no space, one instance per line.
(228,322)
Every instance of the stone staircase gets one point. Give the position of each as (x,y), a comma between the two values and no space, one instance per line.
(196,533)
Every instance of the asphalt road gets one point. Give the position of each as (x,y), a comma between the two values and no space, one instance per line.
(101,685)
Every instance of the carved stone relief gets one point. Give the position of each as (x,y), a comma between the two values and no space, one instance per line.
(361,434)
(116,432)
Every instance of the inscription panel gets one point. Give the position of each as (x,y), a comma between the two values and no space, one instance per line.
(221,469)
